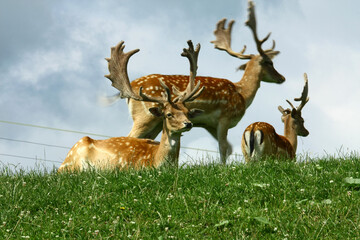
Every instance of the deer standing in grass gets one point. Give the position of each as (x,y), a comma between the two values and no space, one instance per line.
(124,152)
(224,102)
(260,139)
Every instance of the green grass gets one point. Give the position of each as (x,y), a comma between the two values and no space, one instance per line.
(264,200)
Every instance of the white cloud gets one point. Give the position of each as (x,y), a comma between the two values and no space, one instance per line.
(37,66)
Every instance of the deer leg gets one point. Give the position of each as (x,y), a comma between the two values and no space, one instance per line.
(220,134)
(225,147)
(213,132)
(146,130)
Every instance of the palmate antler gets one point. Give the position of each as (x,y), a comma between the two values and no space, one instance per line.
(223,36)
(223,39)
(192,91)
(117,64)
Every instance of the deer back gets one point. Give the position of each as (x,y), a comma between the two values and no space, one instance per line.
(117,152)
(219,94)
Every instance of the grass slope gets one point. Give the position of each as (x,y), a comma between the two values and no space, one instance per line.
(266,200)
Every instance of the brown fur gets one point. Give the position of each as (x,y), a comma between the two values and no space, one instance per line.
(125,152)
(224,102)
(273,144)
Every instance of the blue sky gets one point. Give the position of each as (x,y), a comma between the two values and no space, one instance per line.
(52,67)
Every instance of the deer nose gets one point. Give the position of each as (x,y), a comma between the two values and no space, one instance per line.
(188,125)
(282,79)
(306,133)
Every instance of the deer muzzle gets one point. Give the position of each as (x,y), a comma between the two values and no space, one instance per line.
(188,125)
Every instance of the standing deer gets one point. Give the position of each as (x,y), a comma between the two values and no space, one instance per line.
(124,152)
(260,139)
(224,102)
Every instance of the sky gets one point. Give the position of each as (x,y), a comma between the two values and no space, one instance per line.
(52,69)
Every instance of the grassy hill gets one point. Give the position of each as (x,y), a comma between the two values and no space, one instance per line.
(265,200)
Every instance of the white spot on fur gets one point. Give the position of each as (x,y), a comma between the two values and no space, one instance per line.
(173,142)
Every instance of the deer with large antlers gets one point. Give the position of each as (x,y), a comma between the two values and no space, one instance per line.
(125,152)
(224,102)
(260,139)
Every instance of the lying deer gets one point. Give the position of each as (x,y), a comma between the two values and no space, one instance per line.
(260,139)
(224,102)
(124,152)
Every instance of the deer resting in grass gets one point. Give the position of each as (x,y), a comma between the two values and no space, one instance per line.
(224,102)
(125,152)
(260,139)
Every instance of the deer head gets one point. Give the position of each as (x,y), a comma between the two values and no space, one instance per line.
(293,115)
(174,112)
(223,42)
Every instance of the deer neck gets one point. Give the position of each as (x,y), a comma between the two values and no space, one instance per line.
(290,133)
(169,147)
(250,82)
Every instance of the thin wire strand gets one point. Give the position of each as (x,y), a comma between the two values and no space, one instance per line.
(71,131)
(55,129)
(35,143)
(63,147)
(32,158)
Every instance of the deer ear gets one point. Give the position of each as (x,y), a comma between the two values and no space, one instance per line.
(271,54)
(157,112)
(242,67)
(195,112)
(281,110)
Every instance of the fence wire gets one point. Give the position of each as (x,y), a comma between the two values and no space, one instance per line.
(65,147)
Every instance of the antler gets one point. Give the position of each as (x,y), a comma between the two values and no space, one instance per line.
(251,23)
(223,36)
(304,95)
(191,92)
(117,64)
(304,98)
(223,39)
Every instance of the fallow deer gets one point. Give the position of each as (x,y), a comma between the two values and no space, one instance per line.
(260,139)
(224,102)
(125,152)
